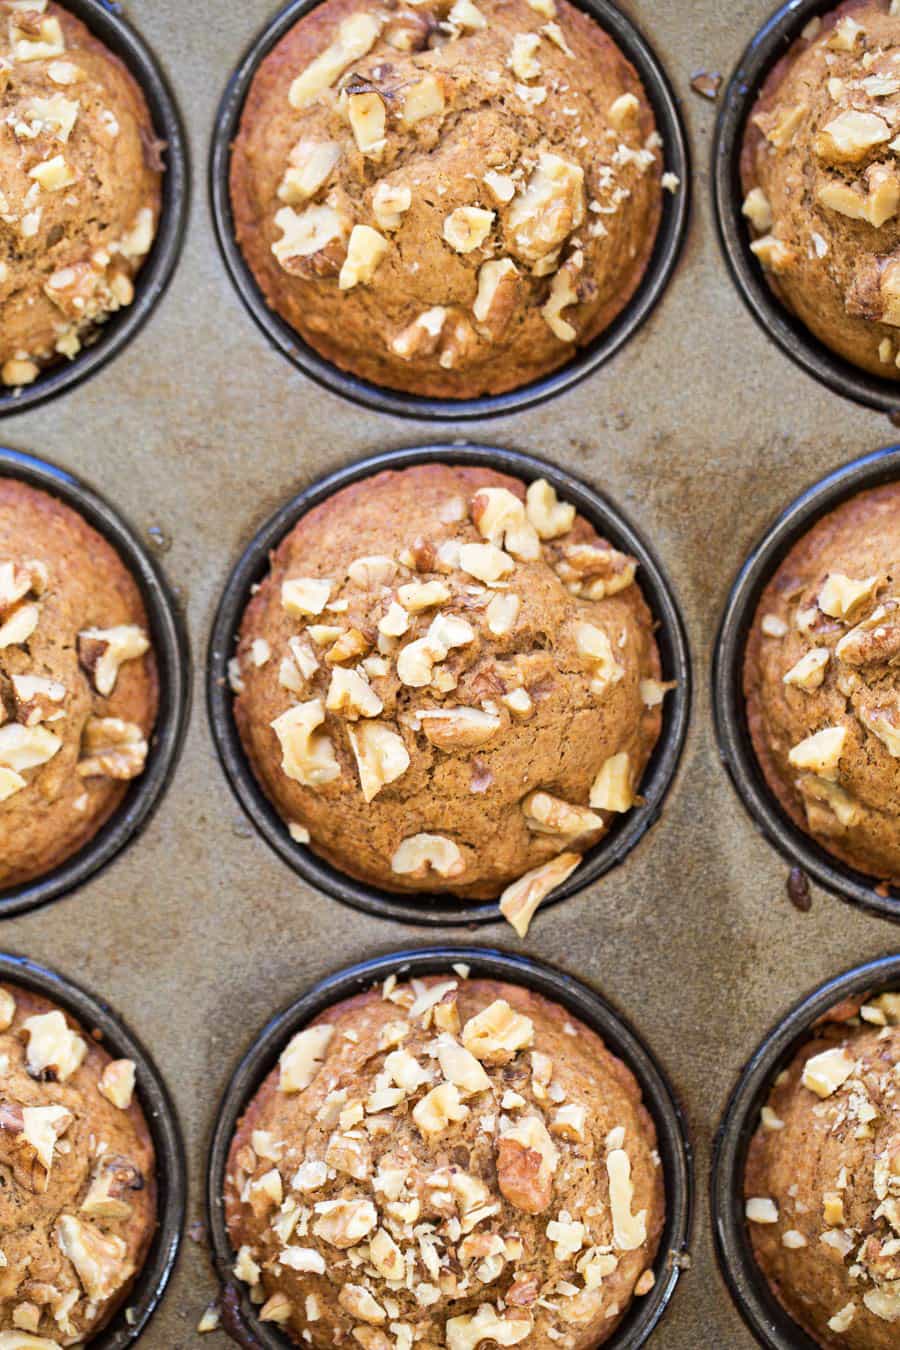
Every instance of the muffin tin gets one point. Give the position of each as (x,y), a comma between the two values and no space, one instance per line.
(760,1309)
(586,360)
(484,963)
(427,909)
(106,22)
(170,646)
(99,1020)
(701,430)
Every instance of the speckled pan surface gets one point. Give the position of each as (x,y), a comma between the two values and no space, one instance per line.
(700,429)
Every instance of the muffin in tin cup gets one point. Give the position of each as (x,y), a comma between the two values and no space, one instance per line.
(806,692)
(434,211)
(95,193)
(804,1182)
(93,682)
(95,1180)
(515,1051)
(443,701)
(812,102)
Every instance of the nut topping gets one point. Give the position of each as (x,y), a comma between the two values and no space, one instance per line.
(381,756)
(527,1159)
(55,1051)
(102,651)
(420,853)
(111,748)
(307,754)
(458,728)
(497,1033)
(520,901)
(355,37)
(302,1058)
(100,1259)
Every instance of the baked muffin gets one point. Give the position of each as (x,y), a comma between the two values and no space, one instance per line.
(448,1163)
(80,175)
(822,182)
(445,685)
(822,682)
(447,198)
(78,684)
(78,1201)
(823,1181)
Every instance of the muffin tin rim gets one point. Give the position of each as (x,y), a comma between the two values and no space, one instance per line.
(581,999)
(788,332)
(107,22)
(435,909)
(746,1284)
(173,661)
(92,1012)
(585,360)
(729,710)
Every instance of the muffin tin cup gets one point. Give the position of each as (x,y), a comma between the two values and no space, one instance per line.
(170,647)
(288,341)
(171,1178)
(484,963)
(105,20)
(769,45)
(746,1283)
(430,909)
(729,708)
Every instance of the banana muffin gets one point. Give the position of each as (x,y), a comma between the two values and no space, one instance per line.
(447,684)
(821,176)
(447,198)
(448,1162)
(822,682)
(78,1201)
(79,186)
(822,1182)
(78,683)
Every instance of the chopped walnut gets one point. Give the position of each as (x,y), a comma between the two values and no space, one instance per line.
(102,651)
(111,748)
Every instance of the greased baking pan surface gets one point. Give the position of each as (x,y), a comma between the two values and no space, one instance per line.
(700,429)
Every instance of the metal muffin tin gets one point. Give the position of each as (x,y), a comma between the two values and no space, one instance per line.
(584,1003)
(430,909)
(769,45)
(585,361)
(170,647)
(105,20)
(171,1179)
(728,698)
(747,1285)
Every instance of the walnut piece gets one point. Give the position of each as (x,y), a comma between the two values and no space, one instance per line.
(381,756)
(355,37)
(55,1051)
(111,748)
(497,1033)
(527,1159)
(307,754)
(102,651)
(302,1057)
(420,853)
(100,1259)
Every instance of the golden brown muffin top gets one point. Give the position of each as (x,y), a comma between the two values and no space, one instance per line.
(78,1203)
(445,684)
(823,1181)
(822,681)
(78,686)
(822,178)
(79,185)
(448,1162)
(447,198)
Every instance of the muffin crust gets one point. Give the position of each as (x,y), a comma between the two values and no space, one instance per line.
(821,176)
(433,694)
(823,1181)
(78,683)
(447,200)
(78,1203)
(80,174)
(447,1163)
(822,682)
